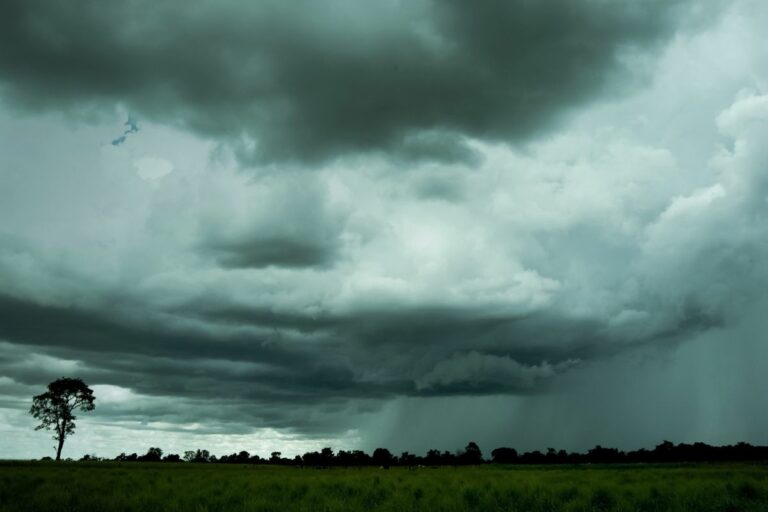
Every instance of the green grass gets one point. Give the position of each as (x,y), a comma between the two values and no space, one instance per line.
(94,487)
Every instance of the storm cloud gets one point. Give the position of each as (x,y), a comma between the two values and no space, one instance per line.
(346,224)
(310,81)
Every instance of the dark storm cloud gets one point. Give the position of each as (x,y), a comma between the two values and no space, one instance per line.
(320,300)
(266,251)
(254,366)
(313,80)
(286,223)
(455,350)
(104,332)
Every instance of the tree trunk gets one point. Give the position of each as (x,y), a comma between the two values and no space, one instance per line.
(61,445)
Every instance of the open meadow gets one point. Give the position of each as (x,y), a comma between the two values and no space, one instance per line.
(111,487)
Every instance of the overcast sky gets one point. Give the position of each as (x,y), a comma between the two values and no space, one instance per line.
(289,225)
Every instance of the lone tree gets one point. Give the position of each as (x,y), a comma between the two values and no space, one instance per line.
(55,407)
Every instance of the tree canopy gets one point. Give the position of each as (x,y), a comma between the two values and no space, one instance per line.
(55,408)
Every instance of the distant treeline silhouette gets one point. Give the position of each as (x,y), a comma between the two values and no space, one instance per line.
(471,455)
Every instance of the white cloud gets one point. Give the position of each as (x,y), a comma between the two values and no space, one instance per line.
(152,168)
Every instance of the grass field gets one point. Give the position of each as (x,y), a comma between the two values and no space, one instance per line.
(105,486)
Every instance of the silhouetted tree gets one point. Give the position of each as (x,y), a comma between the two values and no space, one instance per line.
(408,459)
(471,454)
(664,452)
(504,455)
(152,455)
(344,458)
(382,457)
(55,408)
(360,458)
(534,457)
(433,457)
(601,455)
(326,457)
(197,456)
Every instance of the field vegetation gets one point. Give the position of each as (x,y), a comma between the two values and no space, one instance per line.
(190,487)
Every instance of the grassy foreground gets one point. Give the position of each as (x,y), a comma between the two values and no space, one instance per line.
(137,487)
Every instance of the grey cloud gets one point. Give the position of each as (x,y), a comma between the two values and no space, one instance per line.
(303,301)
(206,350)
(286,223)
(87,329)
(444,147)
(309,81)
(259,251)
(260,366)
(630,401)
(485,373)
(428,351)
(442,186)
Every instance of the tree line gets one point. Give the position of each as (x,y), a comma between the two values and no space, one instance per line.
(55,410)
(666,452)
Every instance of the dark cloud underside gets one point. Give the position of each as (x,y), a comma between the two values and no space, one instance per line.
(262,360)
(313,80)
(262,252)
